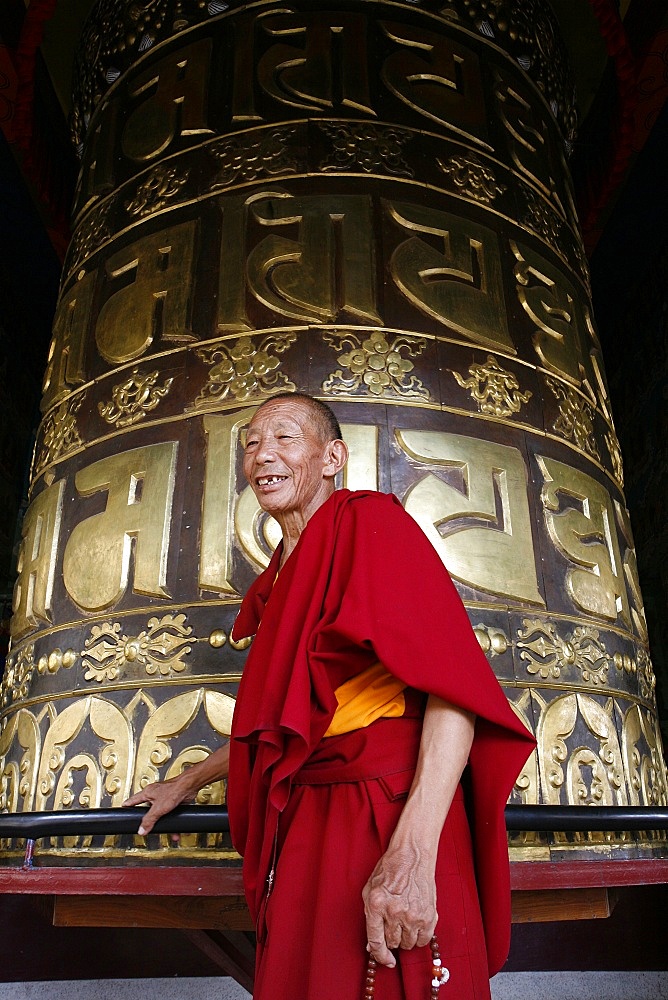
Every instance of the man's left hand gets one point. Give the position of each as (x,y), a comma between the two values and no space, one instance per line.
(400,903)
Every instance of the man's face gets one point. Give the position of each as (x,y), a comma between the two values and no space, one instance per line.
(286,460)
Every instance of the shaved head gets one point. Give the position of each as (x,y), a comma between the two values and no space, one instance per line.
(325,422)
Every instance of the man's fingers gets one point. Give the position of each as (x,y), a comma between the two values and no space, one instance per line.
(138,799)
(377,946)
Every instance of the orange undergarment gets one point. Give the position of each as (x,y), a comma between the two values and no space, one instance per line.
(373,694)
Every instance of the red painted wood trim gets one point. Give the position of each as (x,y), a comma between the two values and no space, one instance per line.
(220,881)
(172,881)
(581,874)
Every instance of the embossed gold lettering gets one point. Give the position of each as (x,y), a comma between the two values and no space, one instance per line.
(580,519)
(219,498)
(150,296)
(37,561)
(528,137)
(460,286)
(478,518)
(231,274)
(551,303)
(65,367)
(329,269)
(173,102)
(136,519)
(97,175)
(438,78)
(327,65)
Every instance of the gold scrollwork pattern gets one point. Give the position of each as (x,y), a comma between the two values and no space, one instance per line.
(472,178)
(376,364)
(646,772)
(247,158)
(156,191)
(244,370)
(160,648)
(615,453)
(18,675)
(576,418)
(495,390)
(547,653)
(133,399)
(60,434)
(370,148)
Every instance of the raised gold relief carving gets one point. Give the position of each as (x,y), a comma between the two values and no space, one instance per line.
(492,641)
(576,774)
(472,178)
(249,157)
(580,519)
(18,675)
(615,453)
(65,368)
(60,434)
(377,364)
(245,370)
(475,512)
(646,771)
(158,649)
(631,573)
(542,219)
(546,653)
(52,663)
(133,399)
(460,284)
(371,148)
(136,519)
(156,191)
(90,234)
(526,790)
(495,390)
(33,590)
(576,418)
(155,303)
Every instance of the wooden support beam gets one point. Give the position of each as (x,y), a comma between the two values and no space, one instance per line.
(543,905)
(181,912)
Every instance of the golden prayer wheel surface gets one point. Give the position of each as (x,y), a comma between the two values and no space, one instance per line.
(369,202)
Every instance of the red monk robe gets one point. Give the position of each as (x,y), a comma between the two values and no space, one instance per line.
(362,585)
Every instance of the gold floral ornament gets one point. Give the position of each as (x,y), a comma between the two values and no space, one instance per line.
(547,653)
(246,158)
(89,235)
(159,648)
(473,178)
(18,676)
(376,364)
(495,390)
(576,418)
(367,147)
(615,453)
(133,399)
(244,370)
(60,435)
(155,192)
(541,219)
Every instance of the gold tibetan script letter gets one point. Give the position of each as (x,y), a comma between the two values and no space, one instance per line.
(580,519)
(437,78)
(156,302)
(219,498)
(527,134)
(479,523)
(550,302)
(174,102)
(37,561)
(96,565)
(460,286)
(330,56)
(66,368)
(298,278)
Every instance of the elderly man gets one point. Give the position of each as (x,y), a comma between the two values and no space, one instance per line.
(364,697)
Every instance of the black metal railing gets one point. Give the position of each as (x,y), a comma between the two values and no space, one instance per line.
(213,819)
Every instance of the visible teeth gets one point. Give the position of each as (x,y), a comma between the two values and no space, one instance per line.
(270,480)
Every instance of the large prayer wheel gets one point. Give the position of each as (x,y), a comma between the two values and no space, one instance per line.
(368,201)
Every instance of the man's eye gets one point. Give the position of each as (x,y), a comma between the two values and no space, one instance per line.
(251,443)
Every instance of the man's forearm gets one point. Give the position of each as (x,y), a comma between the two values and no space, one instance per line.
(447,735)
(213,768)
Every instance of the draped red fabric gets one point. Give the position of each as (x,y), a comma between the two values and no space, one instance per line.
(363,584)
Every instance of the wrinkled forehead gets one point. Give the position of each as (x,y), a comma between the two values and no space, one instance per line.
(283,413)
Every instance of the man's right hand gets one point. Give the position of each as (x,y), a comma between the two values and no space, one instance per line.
(162,796)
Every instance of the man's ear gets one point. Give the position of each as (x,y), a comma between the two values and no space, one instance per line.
(336,457)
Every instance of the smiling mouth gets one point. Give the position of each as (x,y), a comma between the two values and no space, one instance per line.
(270,480)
